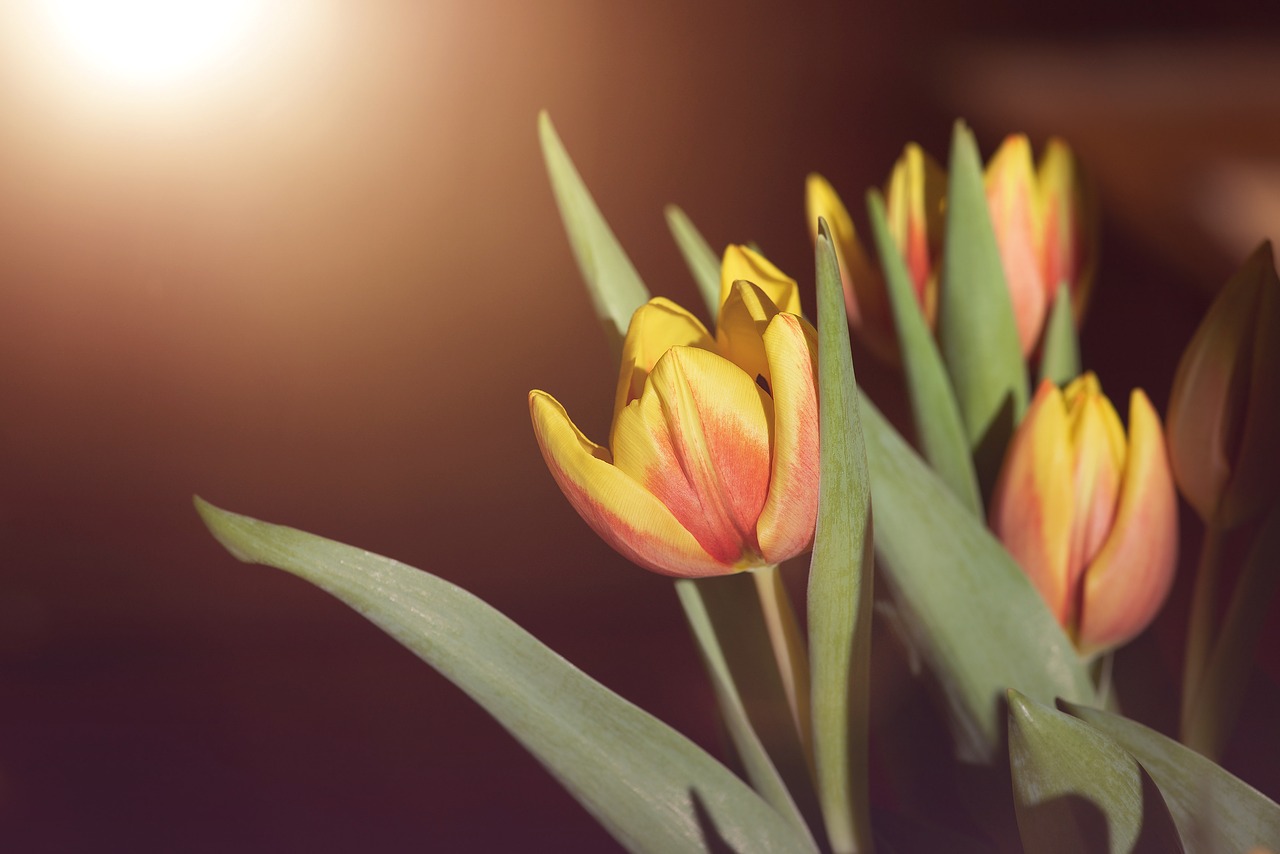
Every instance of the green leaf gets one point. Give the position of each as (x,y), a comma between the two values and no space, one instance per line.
(698,254)
(1075,789)
(650,787)
(970,612)
(840,577)
(1060,356)
(724,614)
(1213,810)
(934,411)
(976,328)
(612,281)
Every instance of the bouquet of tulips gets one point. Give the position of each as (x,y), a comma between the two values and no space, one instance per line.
(1020,536)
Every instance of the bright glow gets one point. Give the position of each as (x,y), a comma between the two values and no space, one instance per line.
(153,42)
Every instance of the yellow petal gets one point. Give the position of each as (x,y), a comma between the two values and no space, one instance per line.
(621,511)
(698,439)
(915,208)
(655,328)
(1031,508)
(741,262)
(744,315)
(1015,216)
(1129,580)
(865,300)
(791,509)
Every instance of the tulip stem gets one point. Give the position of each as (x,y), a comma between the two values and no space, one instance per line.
(788,649)
(1201,627)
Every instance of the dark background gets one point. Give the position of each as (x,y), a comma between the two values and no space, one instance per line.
(317,290)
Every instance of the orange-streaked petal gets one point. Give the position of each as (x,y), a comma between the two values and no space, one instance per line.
(1069,251)
(787,521)
(698,439)
(655,328)
(742,262)
(915,208)
(1015,216)
(866,301)
(744,316)
(1129,580)
(621,511)
(1031,509)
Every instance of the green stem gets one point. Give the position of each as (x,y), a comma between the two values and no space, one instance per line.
(788,649)
(1201,627)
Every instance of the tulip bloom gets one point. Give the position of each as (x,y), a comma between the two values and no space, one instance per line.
(712,464)
(1089,515)
(1042,221)
(1224,413)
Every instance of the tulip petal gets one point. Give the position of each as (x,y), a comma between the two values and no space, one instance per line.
(1127,583)
(1015,216)
(1032,504)
(865,299)
(655,328)
(790,512)
(698,439)
(915,205)
(621,511)
(744,316)
(741,262)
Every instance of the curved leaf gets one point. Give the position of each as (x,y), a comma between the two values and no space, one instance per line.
(970,612)
(1075,789)
(1060,347)
(698,254)
(650,787)
(934,411)
(1213,810)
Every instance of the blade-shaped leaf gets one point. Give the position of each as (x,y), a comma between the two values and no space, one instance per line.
(970,611)
(724,614)
(840,577)
(612,281)
(1075,789)
(976,328)
(1213,810)
(649,786)
(934,411)
(1060,353)
(698,255)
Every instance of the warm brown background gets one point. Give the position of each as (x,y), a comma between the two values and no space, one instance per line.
(318,292)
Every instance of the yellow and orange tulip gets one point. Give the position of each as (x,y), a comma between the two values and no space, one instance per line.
(1042,222)
(1224,412)
(712,464)
(1090,515)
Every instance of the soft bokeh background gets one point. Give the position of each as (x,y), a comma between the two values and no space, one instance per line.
(317,287)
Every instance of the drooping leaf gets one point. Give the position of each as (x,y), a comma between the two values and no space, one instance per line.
(698,254)
(934,411)
(612,281)
(724,614)
(840,577)
(1213,810)
(1060,353)
(968,609)
(649,786)
(976,329)
(1076,790)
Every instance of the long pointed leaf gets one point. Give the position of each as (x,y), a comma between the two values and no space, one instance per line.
(1214,811)
(971,612)
(1060,353)
(976,329)
(650,787)
(698,255)
(840,579)
(934,411)
(1075,789)
(612,281)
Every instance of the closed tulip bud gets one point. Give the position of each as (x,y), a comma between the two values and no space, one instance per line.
(1224,413)
(1090,514)
(712,464)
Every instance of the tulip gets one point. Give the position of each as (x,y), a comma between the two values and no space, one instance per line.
(712,464)
(1224,412)
(1042,228)
(1089,515)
